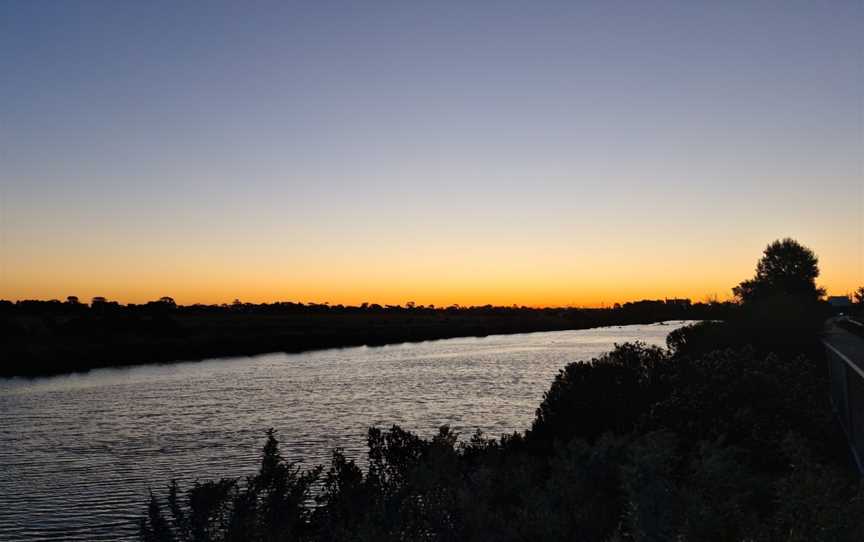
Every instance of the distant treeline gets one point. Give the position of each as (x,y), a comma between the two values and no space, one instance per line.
(45,337)
(167,304)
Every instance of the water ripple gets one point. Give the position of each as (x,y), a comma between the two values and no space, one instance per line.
(78,453)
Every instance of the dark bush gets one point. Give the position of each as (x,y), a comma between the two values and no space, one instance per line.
(607,394)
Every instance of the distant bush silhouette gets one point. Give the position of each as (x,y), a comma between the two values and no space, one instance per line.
(858,297)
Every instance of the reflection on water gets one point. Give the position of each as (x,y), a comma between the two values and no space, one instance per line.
(78,452)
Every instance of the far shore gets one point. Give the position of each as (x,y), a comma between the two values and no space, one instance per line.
(45,338)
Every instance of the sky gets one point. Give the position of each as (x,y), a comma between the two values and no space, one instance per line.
(537,153)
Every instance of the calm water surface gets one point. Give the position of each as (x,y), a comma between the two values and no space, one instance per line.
(78,452)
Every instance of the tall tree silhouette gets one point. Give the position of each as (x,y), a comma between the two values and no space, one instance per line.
(787,268)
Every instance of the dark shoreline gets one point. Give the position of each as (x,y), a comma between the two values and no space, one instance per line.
(56,340)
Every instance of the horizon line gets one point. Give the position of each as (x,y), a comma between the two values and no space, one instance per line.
(371,304)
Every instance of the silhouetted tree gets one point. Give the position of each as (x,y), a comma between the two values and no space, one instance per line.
(858,296)
(786,268)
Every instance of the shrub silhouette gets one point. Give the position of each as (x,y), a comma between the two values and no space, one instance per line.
(271,505)
(607,394)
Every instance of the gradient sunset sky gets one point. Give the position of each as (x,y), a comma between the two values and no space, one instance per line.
(539,153)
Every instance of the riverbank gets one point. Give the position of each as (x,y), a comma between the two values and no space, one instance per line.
(43,338)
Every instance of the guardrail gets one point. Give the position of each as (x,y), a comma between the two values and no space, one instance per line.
(847,399)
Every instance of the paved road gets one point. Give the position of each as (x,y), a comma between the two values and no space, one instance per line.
(845,359)
(846,344)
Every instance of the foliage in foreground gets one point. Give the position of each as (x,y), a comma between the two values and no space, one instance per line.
(639,444)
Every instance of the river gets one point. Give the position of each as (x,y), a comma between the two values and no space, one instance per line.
(79,452)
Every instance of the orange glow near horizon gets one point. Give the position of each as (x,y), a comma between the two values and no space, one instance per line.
(493,277)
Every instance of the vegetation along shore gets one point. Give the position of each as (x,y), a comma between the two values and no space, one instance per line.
(47,337)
